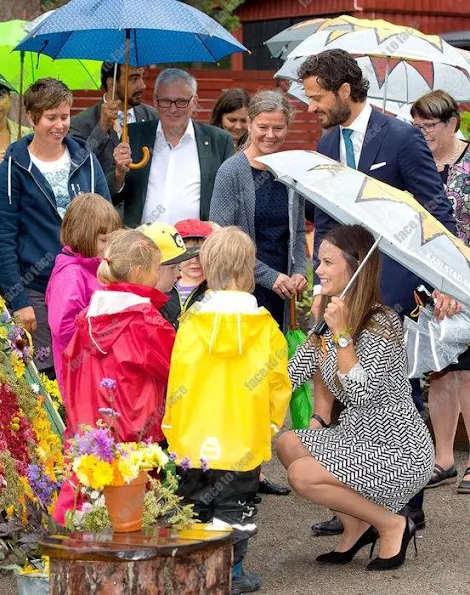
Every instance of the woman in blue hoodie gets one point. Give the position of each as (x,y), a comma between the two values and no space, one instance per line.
(39,177)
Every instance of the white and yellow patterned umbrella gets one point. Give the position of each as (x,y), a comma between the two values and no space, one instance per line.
(408,233)
(401,63)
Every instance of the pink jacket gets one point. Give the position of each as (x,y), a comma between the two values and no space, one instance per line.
(71,285)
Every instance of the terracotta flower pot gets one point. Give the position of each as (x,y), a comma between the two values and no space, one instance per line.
(125,504)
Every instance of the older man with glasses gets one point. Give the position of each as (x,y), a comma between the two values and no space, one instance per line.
(177,181)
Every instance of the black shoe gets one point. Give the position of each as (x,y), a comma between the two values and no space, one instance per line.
(332,527)
(246,582)
(399,559)
(268,487)
(415,514)
(442,476)
(369,536)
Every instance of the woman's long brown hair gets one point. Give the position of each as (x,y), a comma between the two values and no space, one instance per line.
(363,298)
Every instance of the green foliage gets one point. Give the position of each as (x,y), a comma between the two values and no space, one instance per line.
(222,11)
(465,124)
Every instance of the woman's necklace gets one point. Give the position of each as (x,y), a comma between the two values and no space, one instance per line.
(441,164)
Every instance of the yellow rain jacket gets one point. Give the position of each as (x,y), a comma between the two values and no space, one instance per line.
(228,389)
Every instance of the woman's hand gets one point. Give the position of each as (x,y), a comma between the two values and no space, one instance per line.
(445,305)
(337,315)
(284,287)
(27,317)
(299,281)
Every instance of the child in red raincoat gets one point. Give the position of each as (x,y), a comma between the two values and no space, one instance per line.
(119,356)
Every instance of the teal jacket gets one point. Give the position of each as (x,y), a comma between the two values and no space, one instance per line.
(214,146)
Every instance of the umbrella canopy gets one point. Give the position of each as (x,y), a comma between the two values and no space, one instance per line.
(408,232)
(301,400)
(401,63)
(160,32)
(76,74)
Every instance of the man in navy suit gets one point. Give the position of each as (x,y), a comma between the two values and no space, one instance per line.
(388,150)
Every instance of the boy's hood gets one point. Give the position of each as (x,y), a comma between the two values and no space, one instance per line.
(227,321)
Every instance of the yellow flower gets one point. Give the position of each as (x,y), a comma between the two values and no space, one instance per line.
(102,475)
(128,469)
(154,457)
(82,467)
(17,365)
(3,333)
(2,304)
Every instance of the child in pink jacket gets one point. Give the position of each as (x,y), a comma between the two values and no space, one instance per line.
(87,222)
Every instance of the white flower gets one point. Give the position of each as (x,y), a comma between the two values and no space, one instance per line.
(35,388)
(86,507)
(94,494)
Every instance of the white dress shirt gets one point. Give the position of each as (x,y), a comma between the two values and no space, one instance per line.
(174,186)
(359,127)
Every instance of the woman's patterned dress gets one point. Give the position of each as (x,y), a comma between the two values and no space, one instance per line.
(381,447)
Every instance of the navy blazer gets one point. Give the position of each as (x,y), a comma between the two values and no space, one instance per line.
(408,165)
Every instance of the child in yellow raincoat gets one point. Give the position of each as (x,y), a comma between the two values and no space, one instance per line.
(228,393)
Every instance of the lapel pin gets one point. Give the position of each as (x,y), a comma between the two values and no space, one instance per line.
(206,142)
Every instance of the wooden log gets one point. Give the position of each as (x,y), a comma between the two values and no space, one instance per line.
(159,561)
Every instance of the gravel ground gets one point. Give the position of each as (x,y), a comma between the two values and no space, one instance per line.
(284,551)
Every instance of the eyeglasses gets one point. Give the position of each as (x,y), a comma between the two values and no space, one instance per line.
(179,103)
(427,128)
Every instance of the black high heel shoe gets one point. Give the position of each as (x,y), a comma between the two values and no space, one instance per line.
(370,536)
(399,559)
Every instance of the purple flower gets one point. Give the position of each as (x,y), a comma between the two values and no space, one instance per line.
(43,353)
(204,464)
(108,412)
(5,317)
(172,456)
(96,442)
(185,464)
(109,383)
(41,484)
(14,333)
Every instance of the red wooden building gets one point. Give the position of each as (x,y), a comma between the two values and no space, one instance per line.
(261,19)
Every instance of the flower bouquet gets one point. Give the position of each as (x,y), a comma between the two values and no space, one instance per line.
(100,462)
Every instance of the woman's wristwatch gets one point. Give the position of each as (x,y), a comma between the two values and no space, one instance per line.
(343,339)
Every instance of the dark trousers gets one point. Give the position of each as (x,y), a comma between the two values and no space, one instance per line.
(224,495)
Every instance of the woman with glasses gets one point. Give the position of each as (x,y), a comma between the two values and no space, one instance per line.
(437,115)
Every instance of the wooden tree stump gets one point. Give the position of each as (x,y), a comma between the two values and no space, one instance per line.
(157,561)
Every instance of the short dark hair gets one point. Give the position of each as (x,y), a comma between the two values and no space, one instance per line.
(333,68)
(107,72)
(44,94)
(437,104)
(230,101)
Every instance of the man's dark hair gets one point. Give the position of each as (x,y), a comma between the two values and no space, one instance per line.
(334,68)
(107,72)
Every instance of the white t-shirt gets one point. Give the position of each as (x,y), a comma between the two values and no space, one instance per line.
(57,174)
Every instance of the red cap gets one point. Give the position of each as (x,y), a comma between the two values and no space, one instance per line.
(194,228)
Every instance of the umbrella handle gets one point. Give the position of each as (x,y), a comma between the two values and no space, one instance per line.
(293,314)
(125,136)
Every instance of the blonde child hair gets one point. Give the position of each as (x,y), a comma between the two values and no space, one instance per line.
(88,216)
(128,257)
(228,256)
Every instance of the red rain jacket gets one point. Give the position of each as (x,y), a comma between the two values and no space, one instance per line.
(122,336)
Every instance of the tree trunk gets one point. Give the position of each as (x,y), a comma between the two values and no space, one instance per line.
(162,562)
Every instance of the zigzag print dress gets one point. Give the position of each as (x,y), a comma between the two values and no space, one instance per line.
(381,447)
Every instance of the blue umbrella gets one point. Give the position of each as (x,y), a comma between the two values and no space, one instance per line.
(159,31)
(131,32)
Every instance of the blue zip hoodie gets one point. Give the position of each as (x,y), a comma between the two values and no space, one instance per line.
(29,220)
